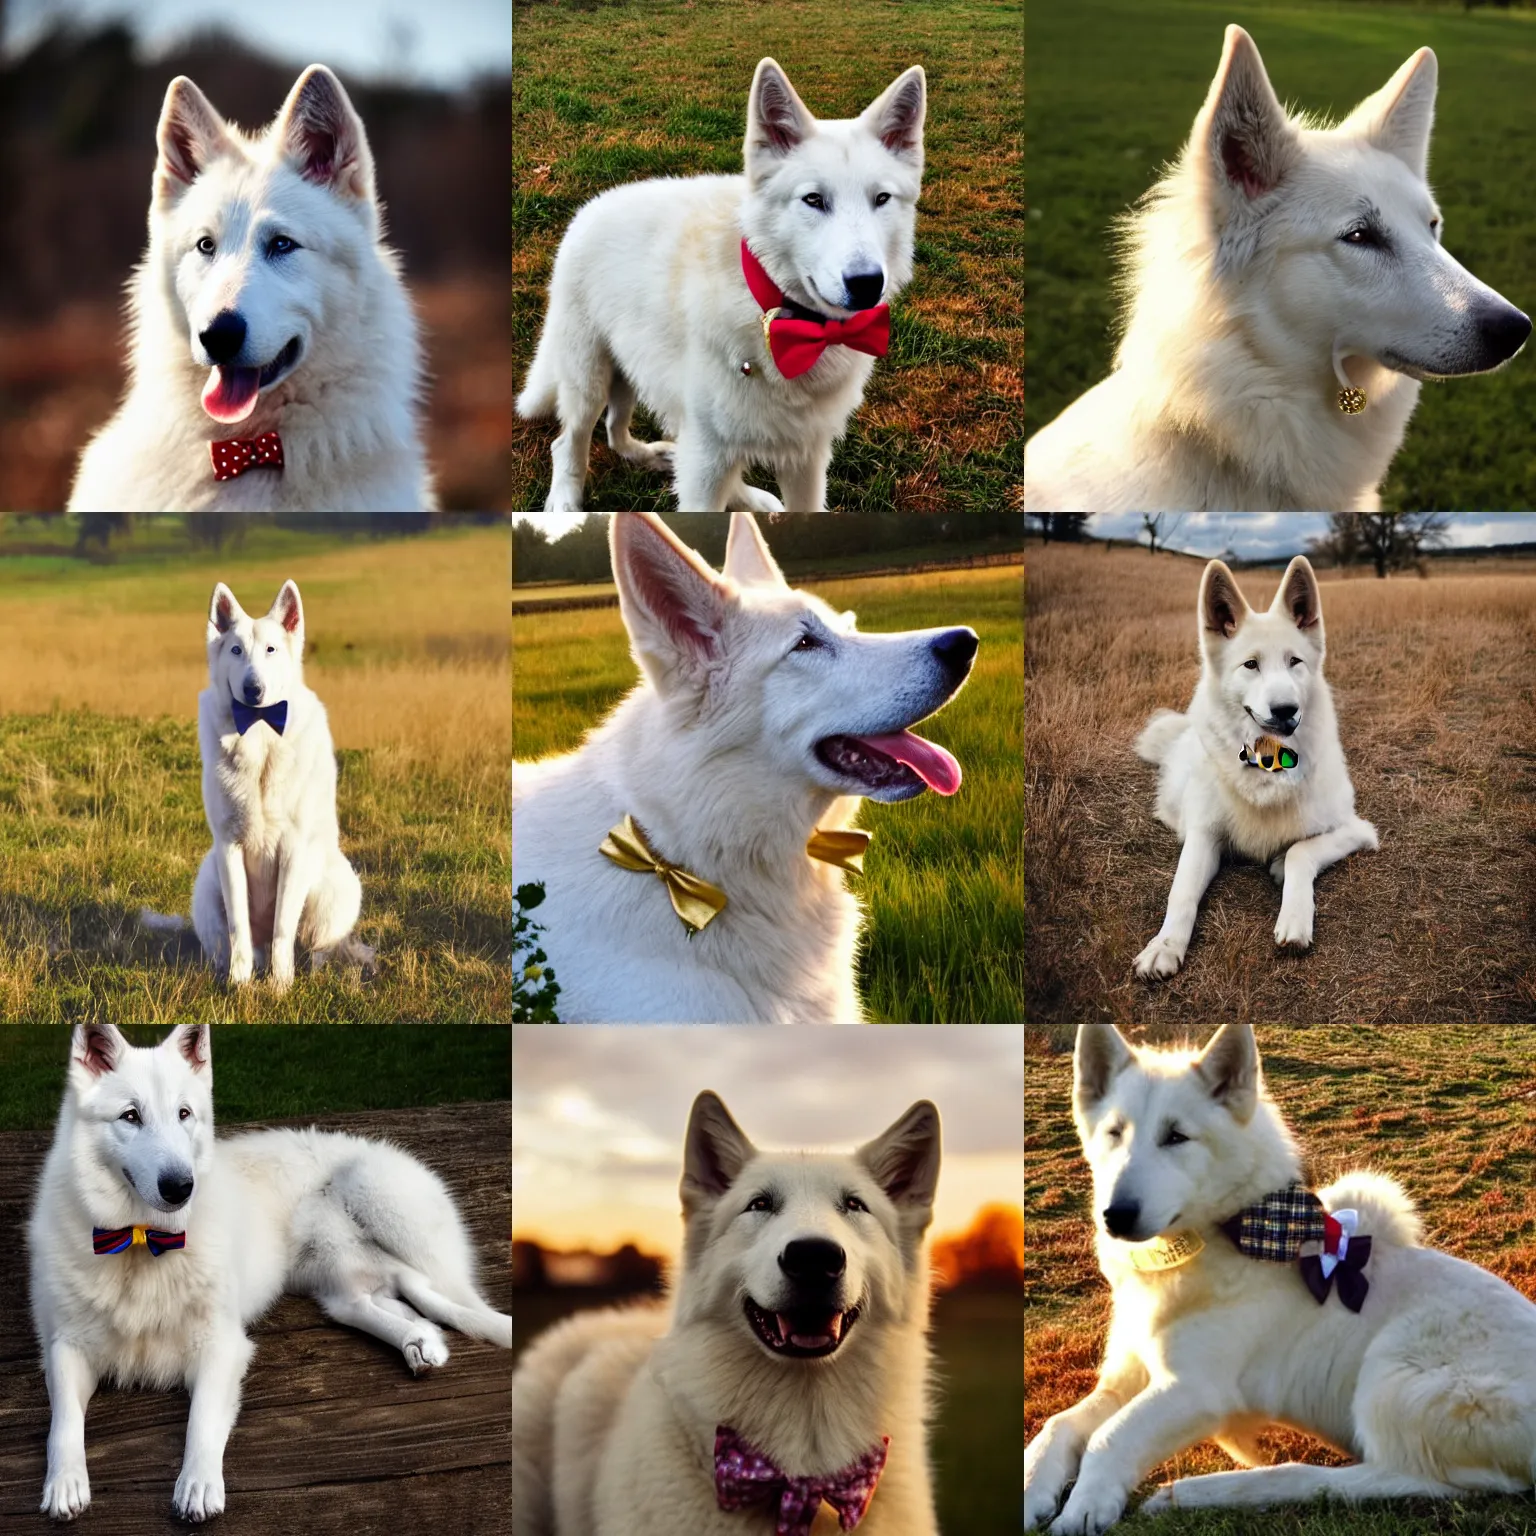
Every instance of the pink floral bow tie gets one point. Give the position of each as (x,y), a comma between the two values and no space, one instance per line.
(235,455)
(744,1477)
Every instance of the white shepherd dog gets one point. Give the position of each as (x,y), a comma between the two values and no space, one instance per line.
(732,771)
(274,363)
(153,1246)
(792,1368)
(1286,291)
(663,292)
(1238,1304)
(276,877)
(1255,765)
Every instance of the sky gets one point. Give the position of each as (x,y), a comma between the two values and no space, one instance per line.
(1254,535)
(443,44)
(598,1114)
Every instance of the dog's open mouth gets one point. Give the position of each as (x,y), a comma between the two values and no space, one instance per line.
(230,393)
(802,1333)
(895,766)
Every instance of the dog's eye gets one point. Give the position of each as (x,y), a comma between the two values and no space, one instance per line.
(853,1203)
(759,1203)
(1113,1133)
(1174,1137)
(1361,234)
(130,1115)
(1251,664)
(271,650)
(1295,661)
(814,200)
(881,199)
(206,246)
(186,1114)
(808,642)
(235,650)
(281,245)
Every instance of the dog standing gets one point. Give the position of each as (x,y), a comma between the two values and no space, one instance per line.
(1227,1317)
(153,1246)
(792,1368)
(707,299)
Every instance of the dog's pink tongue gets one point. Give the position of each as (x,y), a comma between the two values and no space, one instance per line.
(931,763)
(230,393)
(829,1335)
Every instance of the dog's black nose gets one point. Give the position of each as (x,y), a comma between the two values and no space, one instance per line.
(813,1260)
(1120,1220)
(1503,331)
(225,337)
(1283,714)
(956,650)
(252,692)
(175,1187)
(863,288)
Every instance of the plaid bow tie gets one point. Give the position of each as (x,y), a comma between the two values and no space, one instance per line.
(121,1239)
(1291,1226)
(276,715)
(235,455)
(797,340)
(745,1477)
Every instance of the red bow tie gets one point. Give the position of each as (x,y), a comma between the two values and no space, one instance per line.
(796,344)
(235,455)
(745,1477)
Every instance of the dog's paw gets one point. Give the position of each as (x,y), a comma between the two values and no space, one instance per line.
(1294,929)
(281,974)
(1040,1505)
(1088,1512)
(66,1494)
(1162,957)
(242,966)
(424,1349)
(750,499)
(199,1494)
(1158,1500)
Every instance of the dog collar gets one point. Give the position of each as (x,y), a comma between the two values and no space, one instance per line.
(1269,754)
(796,337)
(1165,1252)
(746,1478)
(1292,1226)
(123,1239)
(276,715)
(234,455)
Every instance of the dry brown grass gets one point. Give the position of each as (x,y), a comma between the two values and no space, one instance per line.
(1434,688)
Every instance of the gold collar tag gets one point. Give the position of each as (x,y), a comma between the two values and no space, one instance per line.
(1165,1252)
(696,901)
(768,317)
(844,850)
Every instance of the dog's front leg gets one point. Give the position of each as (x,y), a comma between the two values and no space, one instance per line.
(215,1386)
(1154,1425)
(71,1381)
(1199,859)
(704,472)
(803,483)
(230,858)
(1300,865)
(295,880)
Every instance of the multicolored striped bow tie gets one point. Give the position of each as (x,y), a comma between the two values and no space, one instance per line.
(232,456)
(121,1239)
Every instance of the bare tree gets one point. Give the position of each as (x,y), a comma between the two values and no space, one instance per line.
(1392,541)
(1160,527)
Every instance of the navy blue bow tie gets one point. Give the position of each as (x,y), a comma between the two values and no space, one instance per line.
(276,715)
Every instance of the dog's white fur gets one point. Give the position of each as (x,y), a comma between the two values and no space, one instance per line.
(647,302)
(1255,667)
(347,413)
(1275,261)
(713,755)
(614,1413)
(1429,1386)
(361,1226)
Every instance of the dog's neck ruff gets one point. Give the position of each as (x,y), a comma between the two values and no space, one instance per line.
(796,336)
(745,1478)
(234,455)
(1292,1226)
(697,902)
(125,1239)
(246,715)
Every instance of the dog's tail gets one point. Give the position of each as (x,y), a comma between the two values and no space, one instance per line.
(540,388)
(1387,1214)
(1157,739)
(163,922)
(179,945)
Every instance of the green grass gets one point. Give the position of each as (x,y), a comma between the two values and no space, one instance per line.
(939,426)
(305,1071)
(1114,86)
(943,887)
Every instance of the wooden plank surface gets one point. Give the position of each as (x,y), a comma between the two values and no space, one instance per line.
(334,1433)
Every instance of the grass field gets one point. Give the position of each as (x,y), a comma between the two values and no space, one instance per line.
(1431,681)
(100,798)
(1114,86)
(945,936)
(975,1444)
(595,106)
(1446,1110)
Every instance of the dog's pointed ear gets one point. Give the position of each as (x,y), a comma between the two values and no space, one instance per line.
(95,1050)
(1299,595)
(288,609)
(1100,1056)
(673,604)
(1229,1068)
(1222,607)
(1398,118)
(747,559)
(715,1150)
(193,1043)
(320,131)
(895,116)
(1245,141)
(191,135)
(904,1160)
(778,122)
(224,612)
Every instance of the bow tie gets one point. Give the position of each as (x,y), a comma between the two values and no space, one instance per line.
(276,715)
(121,1239)
(797,337)
(745,1477)
(1291,1226)
(232,457)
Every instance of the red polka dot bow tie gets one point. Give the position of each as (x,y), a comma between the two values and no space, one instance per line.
(235,455)
(797,337)
(744,1477)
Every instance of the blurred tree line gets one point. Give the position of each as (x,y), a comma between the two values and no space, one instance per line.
(799,539)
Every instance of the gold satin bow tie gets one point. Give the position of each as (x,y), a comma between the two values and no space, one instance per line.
(845,850)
